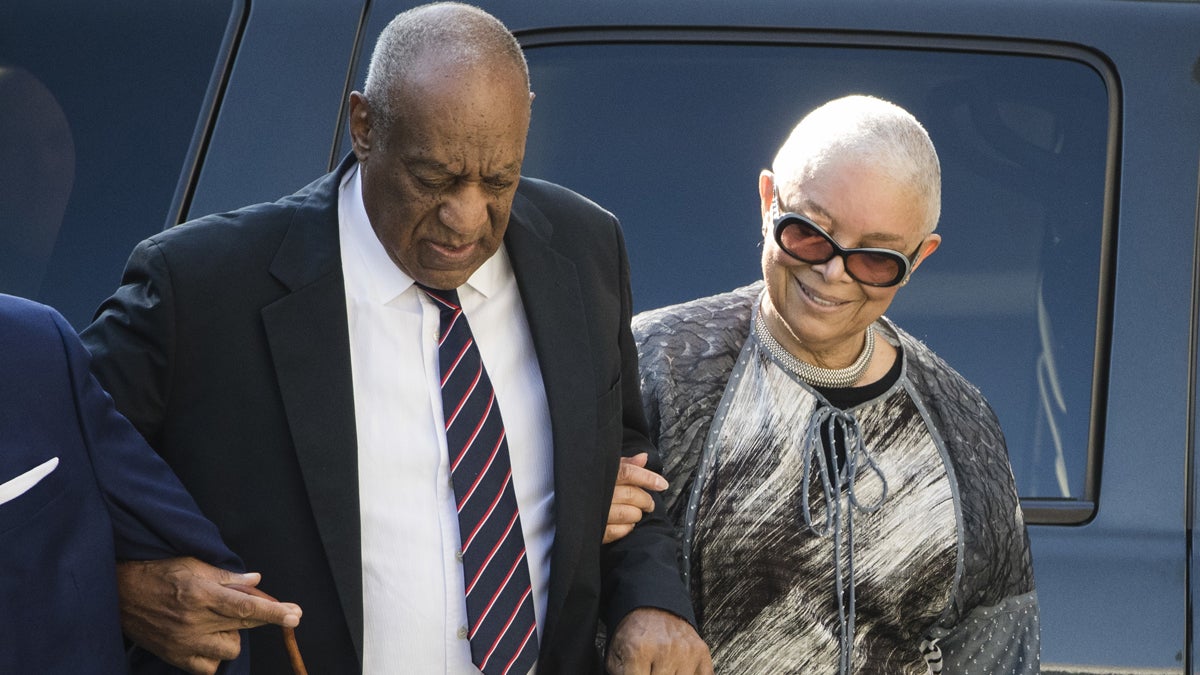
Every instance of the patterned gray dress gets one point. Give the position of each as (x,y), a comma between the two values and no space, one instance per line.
(906,554)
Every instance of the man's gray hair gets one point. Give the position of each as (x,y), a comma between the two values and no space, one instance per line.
(869,130)
(453,31)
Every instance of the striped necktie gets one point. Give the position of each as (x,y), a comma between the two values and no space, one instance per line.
(503,628)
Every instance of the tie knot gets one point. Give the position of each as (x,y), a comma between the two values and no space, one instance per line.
(447,300)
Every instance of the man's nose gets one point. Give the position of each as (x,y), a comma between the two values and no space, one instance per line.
(466,211)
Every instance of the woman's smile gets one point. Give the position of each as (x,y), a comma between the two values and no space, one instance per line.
(817,299)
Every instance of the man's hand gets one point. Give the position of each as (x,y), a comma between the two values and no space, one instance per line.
(652,640)
(182,610)
(631,498)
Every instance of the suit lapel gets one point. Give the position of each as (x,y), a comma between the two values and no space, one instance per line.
(551,295)
(310,348)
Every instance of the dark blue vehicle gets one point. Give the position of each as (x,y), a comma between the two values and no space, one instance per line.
(1067,288)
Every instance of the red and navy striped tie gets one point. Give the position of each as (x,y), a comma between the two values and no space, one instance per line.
(503,628)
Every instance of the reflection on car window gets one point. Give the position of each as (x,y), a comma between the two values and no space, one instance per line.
(671,137)
(37,171)
(96,118)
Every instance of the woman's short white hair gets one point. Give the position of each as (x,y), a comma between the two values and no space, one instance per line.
(868,130)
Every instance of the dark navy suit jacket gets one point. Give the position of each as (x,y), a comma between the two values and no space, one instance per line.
(80,489)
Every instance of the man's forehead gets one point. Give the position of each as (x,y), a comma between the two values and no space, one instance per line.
(421,162)
(436,69)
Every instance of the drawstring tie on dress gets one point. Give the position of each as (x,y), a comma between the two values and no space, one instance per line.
(834,424)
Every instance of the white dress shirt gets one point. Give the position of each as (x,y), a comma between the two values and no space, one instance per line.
(414,612)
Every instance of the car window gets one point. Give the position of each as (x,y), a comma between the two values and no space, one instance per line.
(95,131)
(671,137)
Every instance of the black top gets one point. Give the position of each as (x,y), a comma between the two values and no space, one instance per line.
(848,397)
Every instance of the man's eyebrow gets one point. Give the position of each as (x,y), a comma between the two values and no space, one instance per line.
(427,164)
(507,170)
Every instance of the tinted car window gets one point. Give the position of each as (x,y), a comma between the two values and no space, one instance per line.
(95,130)
(1012,299)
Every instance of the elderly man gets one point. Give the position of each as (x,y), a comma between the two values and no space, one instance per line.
(844,497)
(403,392)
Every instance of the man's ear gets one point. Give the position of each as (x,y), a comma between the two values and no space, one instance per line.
(360,126)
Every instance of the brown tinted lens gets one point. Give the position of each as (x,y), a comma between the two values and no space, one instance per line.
(873,268)
(801,240)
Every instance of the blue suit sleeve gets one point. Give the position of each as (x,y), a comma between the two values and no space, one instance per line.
(152,514)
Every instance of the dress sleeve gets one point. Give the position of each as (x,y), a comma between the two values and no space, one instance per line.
(996,626)
(999,639)
(991,625)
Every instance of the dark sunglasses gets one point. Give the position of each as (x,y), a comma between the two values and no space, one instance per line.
(805,241)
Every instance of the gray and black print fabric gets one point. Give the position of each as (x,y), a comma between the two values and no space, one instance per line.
(906,555)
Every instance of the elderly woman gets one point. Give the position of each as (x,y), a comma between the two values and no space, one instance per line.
(843,496)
